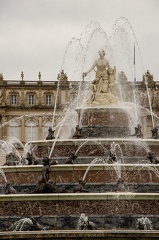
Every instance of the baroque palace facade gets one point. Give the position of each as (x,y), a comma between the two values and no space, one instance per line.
(26,107)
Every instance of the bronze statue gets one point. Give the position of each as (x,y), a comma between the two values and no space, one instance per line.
(45,171)
(151,157)
(50,134)
(9,189)
(44,185)
(31,160)
(138,132)
(71,159)
(80,186)
(155,133)
(77,133)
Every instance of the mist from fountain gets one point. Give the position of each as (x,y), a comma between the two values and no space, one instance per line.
(3,175)
(10,146)
(144,223)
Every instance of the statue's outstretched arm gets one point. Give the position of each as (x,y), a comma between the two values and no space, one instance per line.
(91,68)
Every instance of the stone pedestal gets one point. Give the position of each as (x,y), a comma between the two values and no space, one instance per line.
(104,122)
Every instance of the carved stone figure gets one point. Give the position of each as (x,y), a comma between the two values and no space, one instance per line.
(112,79)
(39,75)
(22,75)
(104,80)
(62,76)
(122,77)
(50,134)
(148,79)
(1,77)
(2,97)
(77,133)
(31,159)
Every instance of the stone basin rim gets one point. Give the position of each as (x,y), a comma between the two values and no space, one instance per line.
(113,196)
(115,140)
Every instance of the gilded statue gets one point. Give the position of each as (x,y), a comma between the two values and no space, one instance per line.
(103,86)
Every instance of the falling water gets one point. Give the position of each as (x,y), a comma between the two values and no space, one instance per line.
(91,164)
(20,225)
(81,146)
(3,175)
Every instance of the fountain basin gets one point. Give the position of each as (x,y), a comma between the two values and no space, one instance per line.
(130,147)
(82,234)
(62,211)
(100,122)
(100,173)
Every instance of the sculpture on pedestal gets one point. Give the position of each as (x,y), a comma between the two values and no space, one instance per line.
(62,76)
(103,86)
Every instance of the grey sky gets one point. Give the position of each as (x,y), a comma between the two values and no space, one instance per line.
(35,33)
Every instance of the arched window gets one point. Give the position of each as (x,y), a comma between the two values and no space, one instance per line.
(46,125)
(14,129)
(31,131)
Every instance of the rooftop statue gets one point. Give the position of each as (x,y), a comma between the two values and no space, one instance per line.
(1,77)
(148,79)
(103,86)
(62,76)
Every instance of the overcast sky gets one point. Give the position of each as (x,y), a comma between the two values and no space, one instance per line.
(34,34)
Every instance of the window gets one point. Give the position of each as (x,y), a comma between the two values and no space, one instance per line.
(48,99)
(46,127)
(14,129)
(31,131)
(14,100)
(31,99)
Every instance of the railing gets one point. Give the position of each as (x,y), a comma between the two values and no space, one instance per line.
(26,83)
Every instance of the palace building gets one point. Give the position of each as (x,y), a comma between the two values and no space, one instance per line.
(26,107)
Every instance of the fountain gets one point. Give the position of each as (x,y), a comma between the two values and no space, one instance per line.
(102,182)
